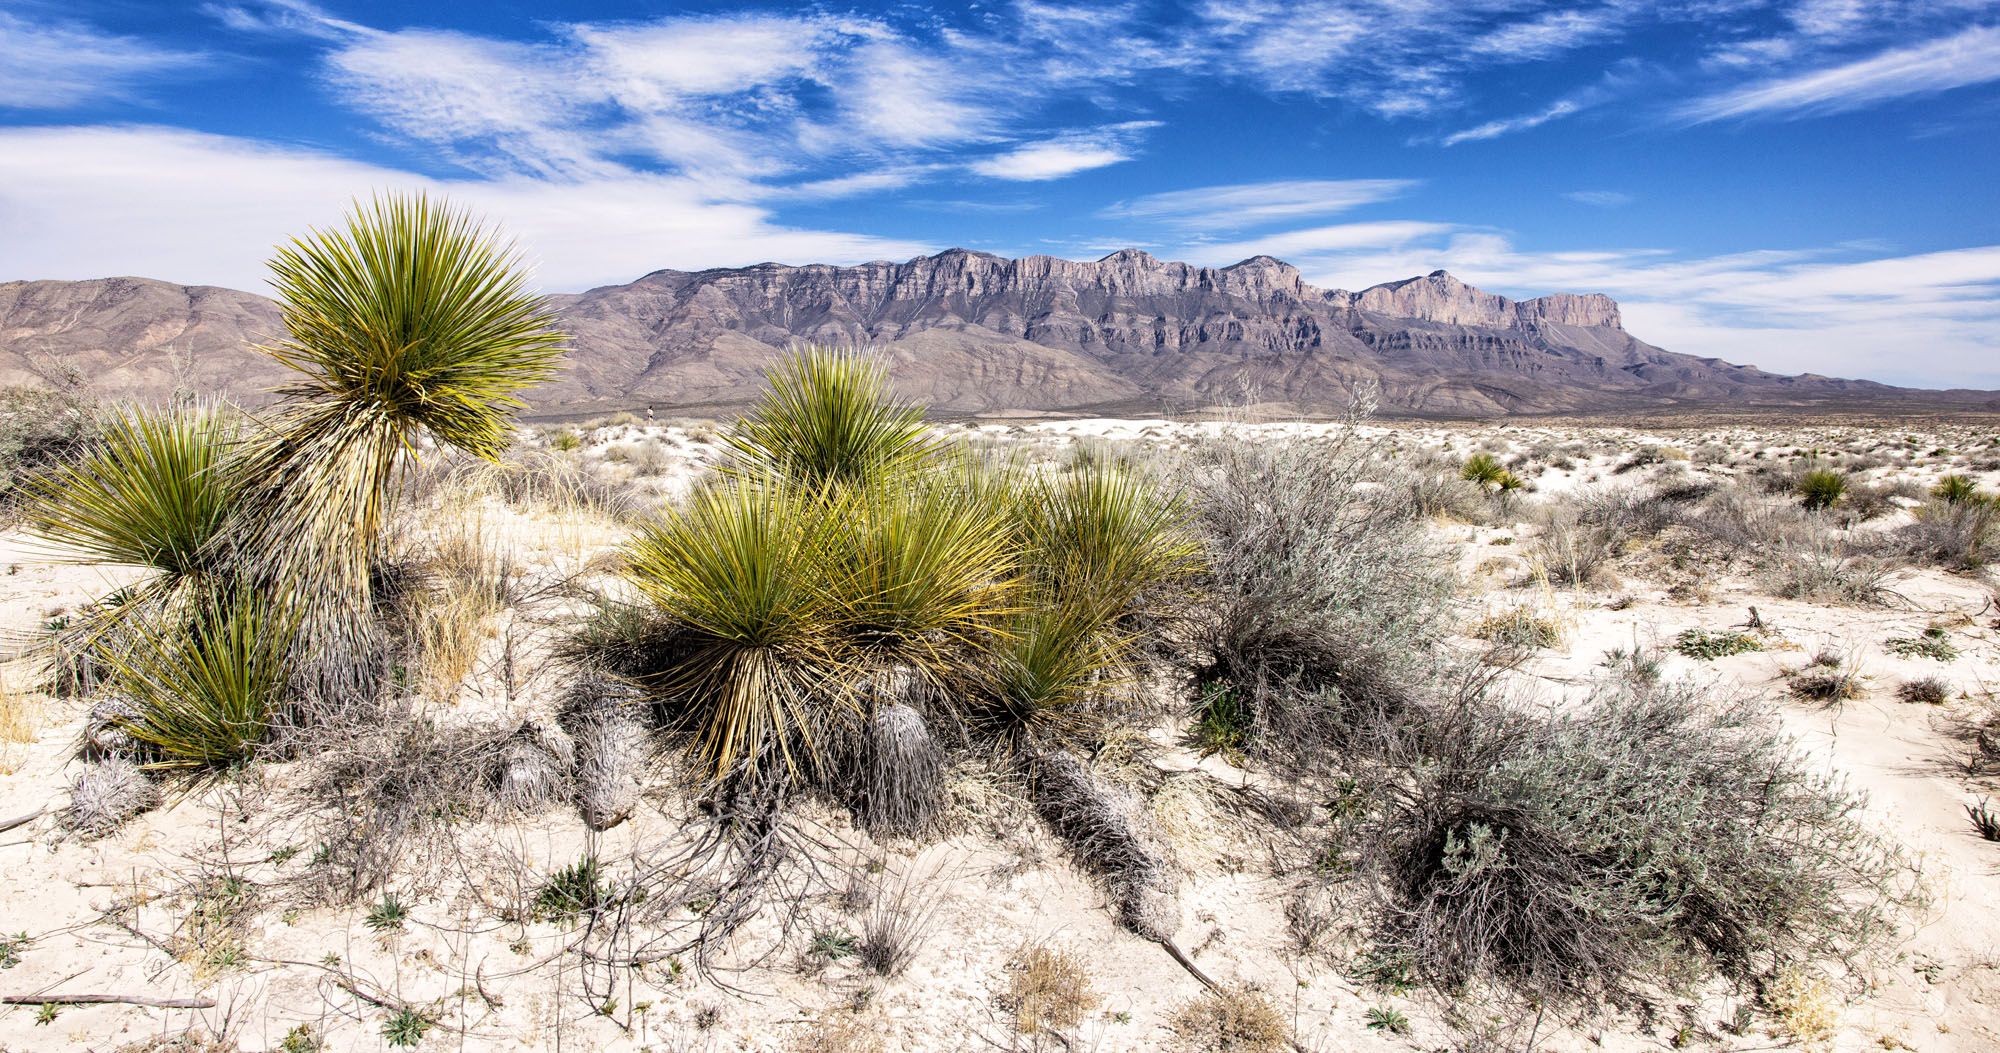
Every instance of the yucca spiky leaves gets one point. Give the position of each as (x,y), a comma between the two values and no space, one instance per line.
(153,492)
(826,416)
(411,320)
(1102,535)
(741,577)
(206,683)
(926,571)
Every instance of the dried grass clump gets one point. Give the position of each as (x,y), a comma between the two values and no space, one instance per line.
(1802,1003)
(1048,989)
(104,795)
(1827,678)
(1236,1019)
(386,795)
(902,913)
(1653,837)
(1517,630)
(20,721)
(844,1033)
(1926,690)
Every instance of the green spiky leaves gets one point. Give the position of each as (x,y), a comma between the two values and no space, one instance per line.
(153,492)
(826,417)
(414,314)
(846,550)
(207,683)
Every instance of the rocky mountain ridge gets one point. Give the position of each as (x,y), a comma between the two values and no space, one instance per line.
(973,333)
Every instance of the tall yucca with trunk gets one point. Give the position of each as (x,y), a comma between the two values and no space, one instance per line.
(826,416)
(410,322)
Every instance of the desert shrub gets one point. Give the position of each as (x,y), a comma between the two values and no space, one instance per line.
(1571,551)
(1821,488)
(1048,989)
(1324,598)
(1709,645)
(1229,1020)
(384,797)
(1651,837)
(41,426)
(1820,567)
(1934,644)
(1955,535)
(1927,690)
(1985,822)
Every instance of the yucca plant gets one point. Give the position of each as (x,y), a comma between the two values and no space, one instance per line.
(1486,470)
(1956,489)
(153,492)
(1047,677)
(827,417)
(206,684)
(925,569)
(1822,488)
(745,580)
(410,323)
(1102,535)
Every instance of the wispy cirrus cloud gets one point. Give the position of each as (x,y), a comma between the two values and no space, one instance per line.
(1508,125)
(1245,205)
(1600,198)
(62,65)
(1065,154)
(1971,56)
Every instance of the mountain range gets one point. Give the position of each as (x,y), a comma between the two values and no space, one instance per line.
(975,334)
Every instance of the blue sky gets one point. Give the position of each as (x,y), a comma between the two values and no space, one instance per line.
(1808,185)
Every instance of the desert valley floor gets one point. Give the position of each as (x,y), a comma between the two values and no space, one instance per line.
(214,895)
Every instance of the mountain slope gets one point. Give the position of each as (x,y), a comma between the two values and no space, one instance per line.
(969,332)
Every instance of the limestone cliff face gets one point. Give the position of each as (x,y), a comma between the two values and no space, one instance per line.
(971,332)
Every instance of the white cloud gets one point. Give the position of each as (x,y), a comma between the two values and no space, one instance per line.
(55,66)
(1244,205)
(1546,35)
(1340,237)
(1968,57)
(1064,155)
(1509,125)
(210,208)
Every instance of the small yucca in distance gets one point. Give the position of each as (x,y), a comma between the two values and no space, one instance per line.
(826,416)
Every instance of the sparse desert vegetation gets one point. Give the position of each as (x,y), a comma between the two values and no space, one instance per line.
(384,719)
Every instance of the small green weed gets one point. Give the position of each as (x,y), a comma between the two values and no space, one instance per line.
(406,1027)
(1709,645)
(1934,644)
(573,891)
(388,914)
(1386,1018)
